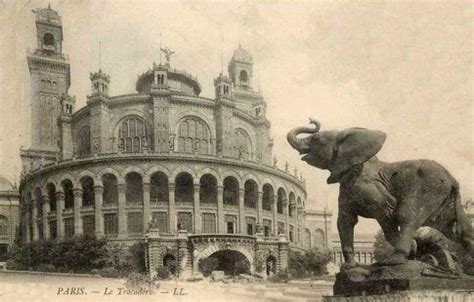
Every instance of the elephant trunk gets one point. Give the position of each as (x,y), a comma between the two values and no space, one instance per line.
(302,144)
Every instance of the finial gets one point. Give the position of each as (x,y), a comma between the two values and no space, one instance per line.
(100,55)
(160,49)
(222,52)
(168,52)
(49,5)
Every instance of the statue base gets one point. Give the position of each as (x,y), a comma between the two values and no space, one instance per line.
(413,275)
(409,296)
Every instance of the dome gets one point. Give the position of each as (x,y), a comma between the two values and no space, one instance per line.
(242,55)
(48,15)
(5,185)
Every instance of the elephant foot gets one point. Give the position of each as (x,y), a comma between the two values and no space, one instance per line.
(395,259)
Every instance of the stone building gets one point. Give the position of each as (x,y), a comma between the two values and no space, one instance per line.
(9,216)
(198,170)
(363,248)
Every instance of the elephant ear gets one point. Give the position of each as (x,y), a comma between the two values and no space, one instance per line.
(355,146)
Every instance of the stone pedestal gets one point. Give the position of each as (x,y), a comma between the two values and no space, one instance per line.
(411,281)
(410,296)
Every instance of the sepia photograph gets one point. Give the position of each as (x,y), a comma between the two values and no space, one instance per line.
(211,150)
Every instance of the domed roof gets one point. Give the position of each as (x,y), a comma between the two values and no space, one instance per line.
(48,15)
(242,55)
(6,185)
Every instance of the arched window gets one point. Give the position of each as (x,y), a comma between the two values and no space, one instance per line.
(84,142)
(134,188)
(184,188)
(110,195)
(68,193)
(267,199)
(243,77)
(291,204)
(193,136)
(88,196)
(251,194)
(243,145)
(319,238)
(51,188)
(208,189)
(37,196)
(159,187)
(132,135)
(48,39)
(307,238)
(231,191)
(281,199)
(3,225)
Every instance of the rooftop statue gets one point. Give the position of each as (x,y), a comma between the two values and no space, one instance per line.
(402,196)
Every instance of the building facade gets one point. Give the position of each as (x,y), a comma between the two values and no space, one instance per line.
(9,216)
(193,176)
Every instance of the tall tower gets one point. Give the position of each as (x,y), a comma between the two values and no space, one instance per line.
(240,69)
(50,81)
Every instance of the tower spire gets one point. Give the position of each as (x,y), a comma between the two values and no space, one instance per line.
(100,55)
(159,50)
(222,52)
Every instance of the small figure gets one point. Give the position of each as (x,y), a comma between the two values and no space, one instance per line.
(286,166)
(171,142)
(275,162)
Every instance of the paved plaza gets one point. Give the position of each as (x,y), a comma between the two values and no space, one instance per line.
(38,288)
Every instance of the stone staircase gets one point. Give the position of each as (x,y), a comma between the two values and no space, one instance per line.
(300,291)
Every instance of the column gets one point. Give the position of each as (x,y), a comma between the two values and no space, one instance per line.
(34,218)
(197,209)
(146,206)
(275,222)
(45,217)
(59,214)
(172,209)
(220,210)
(243,230)
(121,216)
(77,211)
(285,214)
(260,209)
(99,220)
(27,224)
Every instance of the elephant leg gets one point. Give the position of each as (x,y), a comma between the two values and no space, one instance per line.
(346,222)
(390,231)
(409,219)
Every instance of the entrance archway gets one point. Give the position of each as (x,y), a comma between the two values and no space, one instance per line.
(271,266)
(170,262)
(232,262)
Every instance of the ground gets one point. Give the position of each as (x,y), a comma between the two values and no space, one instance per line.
(38,288)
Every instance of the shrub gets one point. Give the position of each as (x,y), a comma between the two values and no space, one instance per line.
(242,267)
(163,273)
(281,277)
(46,268)
(311,262)
(207,265)
(137,257)
(109,272)
(137,280)
(94,271)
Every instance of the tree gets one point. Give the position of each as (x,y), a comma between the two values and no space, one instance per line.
(382,249)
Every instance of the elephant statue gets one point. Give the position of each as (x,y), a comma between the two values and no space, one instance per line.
(402,196)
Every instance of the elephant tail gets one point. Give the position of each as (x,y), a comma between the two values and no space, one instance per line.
(463,226)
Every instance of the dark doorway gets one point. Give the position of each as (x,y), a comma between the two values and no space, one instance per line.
(271,266)
(170,262)
(232,262)
(3,252)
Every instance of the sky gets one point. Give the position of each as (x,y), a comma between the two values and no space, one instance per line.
(401,67)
